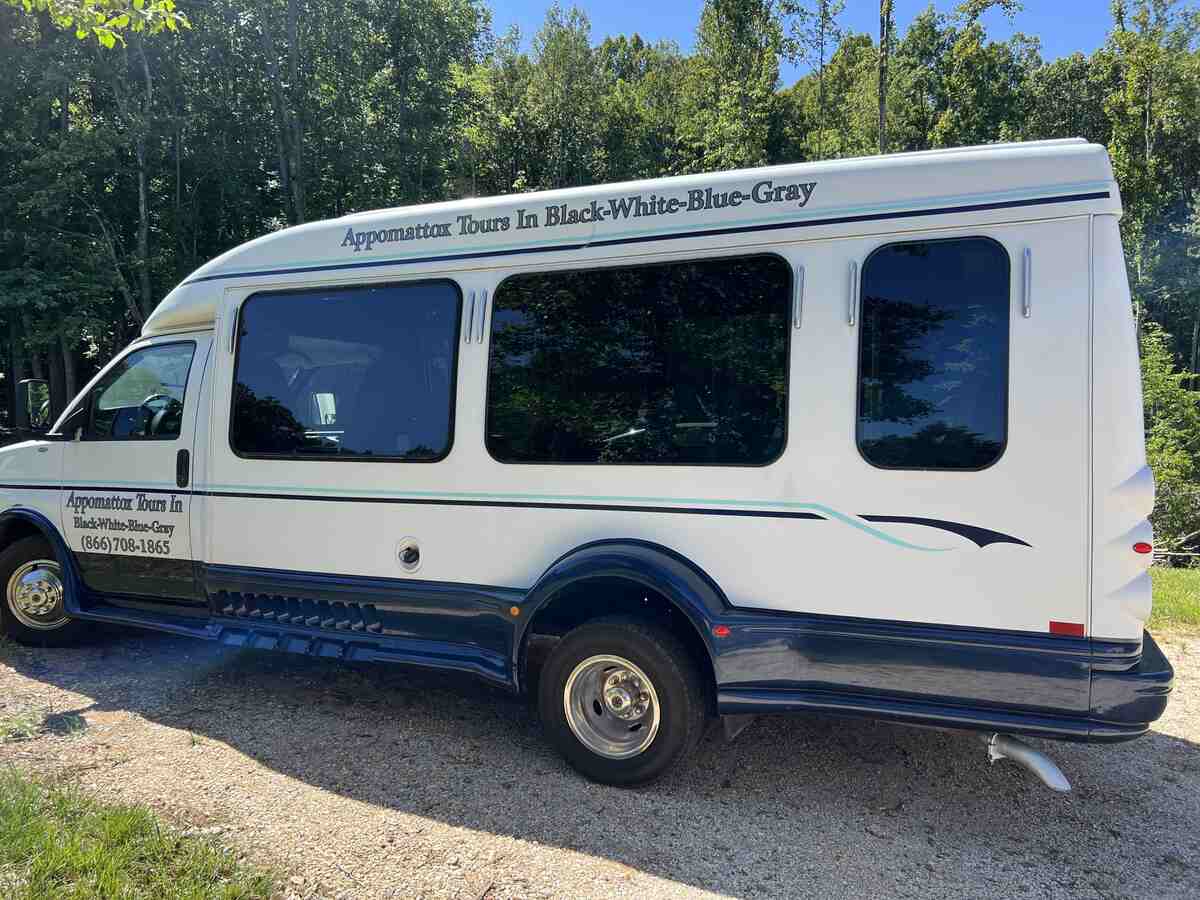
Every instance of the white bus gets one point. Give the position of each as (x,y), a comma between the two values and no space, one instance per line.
(861,436)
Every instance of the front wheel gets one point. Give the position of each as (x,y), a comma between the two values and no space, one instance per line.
(622,701)
(32,610)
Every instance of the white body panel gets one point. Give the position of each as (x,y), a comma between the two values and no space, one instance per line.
(845,566)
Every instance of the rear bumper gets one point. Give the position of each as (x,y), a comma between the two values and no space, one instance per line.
(1134,695)
(1050,686)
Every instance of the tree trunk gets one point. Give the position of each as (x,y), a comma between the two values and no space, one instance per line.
(35,357)
(181,266)
(143,232)
(820,86)
(885,39)
(296,156)
(70,381)
(1196,342)
(285,132)
(58,398)
(17,349)
(126,291)
(146,295)
(1148,118)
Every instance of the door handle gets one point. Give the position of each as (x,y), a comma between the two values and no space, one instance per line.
(183,468)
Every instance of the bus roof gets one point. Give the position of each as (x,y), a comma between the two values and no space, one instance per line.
(875,194)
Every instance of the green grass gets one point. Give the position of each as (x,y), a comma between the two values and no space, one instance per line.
(19,726)
(58,844)
(26,724)
(1176,598)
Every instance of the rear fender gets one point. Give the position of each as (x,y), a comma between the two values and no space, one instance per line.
(685,586)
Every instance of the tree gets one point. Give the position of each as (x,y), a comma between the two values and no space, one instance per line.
(814,32)
(107,20)
(563,99)
(887,25)
(640,107)
(729,89)
(1153,95)
(1172,441)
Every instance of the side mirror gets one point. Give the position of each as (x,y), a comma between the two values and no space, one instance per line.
(33,402)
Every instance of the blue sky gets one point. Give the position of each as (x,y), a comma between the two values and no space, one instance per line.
(1063,26)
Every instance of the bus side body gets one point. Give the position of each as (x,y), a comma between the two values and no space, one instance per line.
(897,473)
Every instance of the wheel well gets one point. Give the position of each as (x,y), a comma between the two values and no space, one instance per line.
(594,598)
(15,529)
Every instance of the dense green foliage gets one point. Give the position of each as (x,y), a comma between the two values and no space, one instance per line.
(107,20)
(57,844)
(127,161)
(1172,441)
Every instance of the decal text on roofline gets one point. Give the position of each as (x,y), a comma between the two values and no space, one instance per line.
(614,209)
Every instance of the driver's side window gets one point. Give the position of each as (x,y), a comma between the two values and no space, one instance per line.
(141,397)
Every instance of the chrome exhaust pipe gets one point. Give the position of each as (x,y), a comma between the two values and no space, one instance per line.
(1004,746)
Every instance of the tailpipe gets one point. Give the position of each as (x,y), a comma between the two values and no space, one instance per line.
(1005,746)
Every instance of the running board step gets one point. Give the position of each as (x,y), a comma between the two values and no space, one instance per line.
(295,611)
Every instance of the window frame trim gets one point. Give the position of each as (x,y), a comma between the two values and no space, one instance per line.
(88,403)
(452,422)
(858,372)
(619,264)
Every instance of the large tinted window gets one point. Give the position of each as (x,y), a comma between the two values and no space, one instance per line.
(933,357)
(347,372)
(678,363)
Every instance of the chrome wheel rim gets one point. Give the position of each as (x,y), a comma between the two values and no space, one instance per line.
(35,595)
(611,707)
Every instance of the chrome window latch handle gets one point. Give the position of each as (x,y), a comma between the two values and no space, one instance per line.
(1027,285)
(483,302)
(798,311)
(470,320)
(852,303)
(233,328)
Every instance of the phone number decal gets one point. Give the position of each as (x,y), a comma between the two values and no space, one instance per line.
(138,546)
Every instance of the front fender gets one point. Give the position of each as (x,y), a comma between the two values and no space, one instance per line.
(23,519)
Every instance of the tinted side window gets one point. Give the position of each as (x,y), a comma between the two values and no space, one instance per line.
(676,363)
(141,397)
(933,355)
(360,373)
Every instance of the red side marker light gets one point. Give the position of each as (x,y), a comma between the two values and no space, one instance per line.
(1143,547)
(1074,629)
(720,631)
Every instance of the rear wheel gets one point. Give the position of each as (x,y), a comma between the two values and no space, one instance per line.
(622,701)
(32,611)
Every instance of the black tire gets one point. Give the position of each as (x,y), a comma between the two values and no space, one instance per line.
(677,682)
(17,554)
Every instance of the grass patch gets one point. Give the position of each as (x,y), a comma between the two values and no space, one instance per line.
(27,724)
(1176,598)
(58,844)
(20,726)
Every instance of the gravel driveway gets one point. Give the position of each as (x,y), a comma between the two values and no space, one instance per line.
(386,783)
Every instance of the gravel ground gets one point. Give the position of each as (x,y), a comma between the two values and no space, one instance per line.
(384,783)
